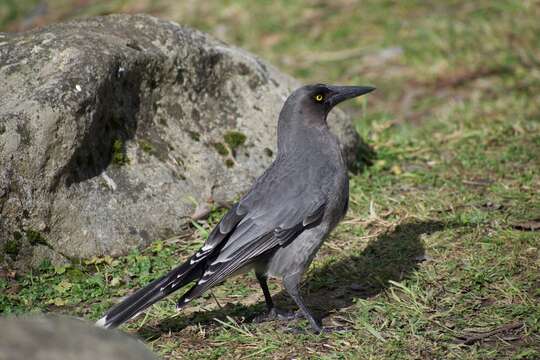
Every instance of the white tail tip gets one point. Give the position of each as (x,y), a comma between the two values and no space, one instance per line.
(101,322)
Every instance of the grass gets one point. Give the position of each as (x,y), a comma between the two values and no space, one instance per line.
(429,262)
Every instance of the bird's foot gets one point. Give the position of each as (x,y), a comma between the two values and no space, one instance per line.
(278,314)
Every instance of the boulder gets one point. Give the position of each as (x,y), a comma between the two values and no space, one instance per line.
(114,129)
(52,338)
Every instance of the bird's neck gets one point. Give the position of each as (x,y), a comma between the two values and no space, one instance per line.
(296,135)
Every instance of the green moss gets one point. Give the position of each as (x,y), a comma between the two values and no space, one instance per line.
(229,163)
(34,237)
(17,235)
(195,136)
(12,247)
(221,149)
(268,152)
(119,157)
(234,139)
(146,146)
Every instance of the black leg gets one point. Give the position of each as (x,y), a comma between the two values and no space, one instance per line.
(273,312)
(264,286)
(291,284)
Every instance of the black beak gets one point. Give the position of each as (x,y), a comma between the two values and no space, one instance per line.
(342,93)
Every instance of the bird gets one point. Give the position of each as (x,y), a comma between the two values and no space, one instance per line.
(278,226)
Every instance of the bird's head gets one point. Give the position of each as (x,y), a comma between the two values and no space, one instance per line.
(307,108)
(313,102)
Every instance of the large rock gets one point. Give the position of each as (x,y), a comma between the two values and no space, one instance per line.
(55,338)
(112,129)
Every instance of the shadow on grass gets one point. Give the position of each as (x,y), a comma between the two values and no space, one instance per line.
(393,255)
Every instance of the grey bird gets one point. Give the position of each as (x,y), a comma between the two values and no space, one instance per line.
(278,226)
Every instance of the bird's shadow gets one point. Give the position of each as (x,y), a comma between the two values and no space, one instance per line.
(393,255)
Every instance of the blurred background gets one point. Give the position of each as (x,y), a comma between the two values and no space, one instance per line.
(420,54)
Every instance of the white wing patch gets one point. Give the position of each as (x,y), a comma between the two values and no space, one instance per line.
(207,247)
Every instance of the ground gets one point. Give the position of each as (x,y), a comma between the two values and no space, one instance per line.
(438,257)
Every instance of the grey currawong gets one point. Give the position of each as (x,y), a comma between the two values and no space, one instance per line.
(279,225)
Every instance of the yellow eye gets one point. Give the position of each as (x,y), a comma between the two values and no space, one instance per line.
(319,97)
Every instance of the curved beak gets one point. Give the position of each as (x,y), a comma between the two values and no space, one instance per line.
(342,93)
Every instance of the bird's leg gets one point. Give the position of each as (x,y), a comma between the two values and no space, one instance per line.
(262,279)
(291,284)
(273,312)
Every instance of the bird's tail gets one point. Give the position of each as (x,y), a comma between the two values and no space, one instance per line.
(150,294)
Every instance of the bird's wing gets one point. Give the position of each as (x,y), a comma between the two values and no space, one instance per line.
(267,221)
(220,233)
(201,259)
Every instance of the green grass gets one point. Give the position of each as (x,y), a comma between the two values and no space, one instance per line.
(428,257)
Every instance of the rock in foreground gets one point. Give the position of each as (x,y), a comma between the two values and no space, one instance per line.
(48,338)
